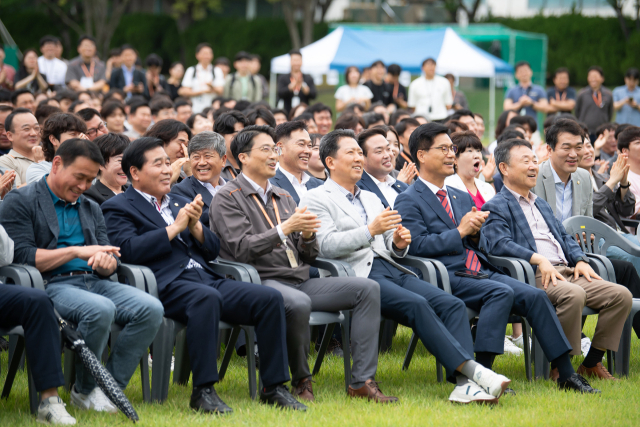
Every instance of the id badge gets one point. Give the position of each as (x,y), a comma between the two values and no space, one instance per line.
(86,82)
(292,258)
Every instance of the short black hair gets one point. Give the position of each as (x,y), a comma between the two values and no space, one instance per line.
(66,94)
(87,114)
(284,130)
(192,119)
(596,68)
(305,117)
(160,104)
(201,46)
(73,148)
(133,108)
(422,138)
(502,121)
(17,93)
(111,107)
(221,60)
(153,60)
(42,112)
(5,95)
(525,120)
(456,126)
(502,154)
(620,128)
(8,122)
(134,154)
(371,118)
(349,121)
(111,145)
(167,130)
(224,124)
(560,70)
(295,52)
(319,107)
(181,102)
(428,60)
(242,55)
(403,124)
(606,126)
(522,64)
(633,73)
(242,105)
(461,113)
(56,125)
(393,119)
(466,139)
(243,141)
(49,39)
(563,126)
(330,144)
(510,133)
(87,37)
(627,136)
(367,134)
(262,113)
(394,70)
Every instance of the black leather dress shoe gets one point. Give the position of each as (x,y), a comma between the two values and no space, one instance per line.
(577,383)
(207,400)
(281,397)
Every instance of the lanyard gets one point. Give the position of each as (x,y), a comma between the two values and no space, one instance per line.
(88,73)
(275,208)
(597,98)
(396,88)
(230,168)
(407,158)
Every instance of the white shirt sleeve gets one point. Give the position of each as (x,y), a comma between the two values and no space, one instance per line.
(413,87)
(448,97)
(188,80)
(340,93)
(364,92)
(218,77)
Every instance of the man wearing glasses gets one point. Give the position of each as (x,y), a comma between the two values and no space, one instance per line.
(445,225)
(23,131)
(96,126)
(259,224)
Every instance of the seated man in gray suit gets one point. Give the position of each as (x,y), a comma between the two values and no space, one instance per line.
(260,224)
(207,155)
(296,146)
(356,228)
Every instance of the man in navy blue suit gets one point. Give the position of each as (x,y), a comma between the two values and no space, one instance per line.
(378,166)
(164,233)
(296,146)
(523,225)
(445,225)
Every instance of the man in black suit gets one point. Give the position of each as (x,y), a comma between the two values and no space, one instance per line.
(128,78)
(378,166)
(295,88)
(165,234)
(296,146)
(208,155)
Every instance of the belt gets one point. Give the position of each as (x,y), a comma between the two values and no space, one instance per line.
(73,273)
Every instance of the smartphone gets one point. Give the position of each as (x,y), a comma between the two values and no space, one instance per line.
(472,274)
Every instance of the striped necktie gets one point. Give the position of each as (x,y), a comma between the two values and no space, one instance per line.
(472,262)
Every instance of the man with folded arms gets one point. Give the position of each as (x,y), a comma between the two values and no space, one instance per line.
(446,227)
(63,235)
(523,225)
(260,224)
(357,229)
(164,233)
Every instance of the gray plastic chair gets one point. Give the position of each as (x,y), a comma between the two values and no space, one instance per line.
(19,276)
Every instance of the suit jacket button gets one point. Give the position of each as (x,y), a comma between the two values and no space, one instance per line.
(181,265)
(189,253)
(368,263)
(278,245)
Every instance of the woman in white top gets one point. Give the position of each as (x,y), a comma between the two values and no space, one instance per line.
(353,92)
(468,165)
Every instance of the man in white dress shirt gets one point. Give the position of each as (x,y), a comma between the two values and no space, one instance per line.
(54,69)
(202,82)
(430,95)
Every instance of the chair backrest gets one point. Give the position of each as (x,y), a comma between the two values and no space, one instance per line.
(594,231)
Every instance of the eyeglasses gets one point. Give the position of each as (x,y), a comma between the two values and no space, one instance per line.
(91,132)
(267,148)
(445,149)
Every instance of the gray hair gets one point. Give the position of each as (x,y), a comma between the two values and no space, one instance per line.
(207,140)
(502,153)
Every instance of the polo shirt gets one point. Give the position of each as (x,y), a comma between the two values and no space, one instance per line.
(430,97)
(627,114)
(18,163)
(70,231)
(534,92)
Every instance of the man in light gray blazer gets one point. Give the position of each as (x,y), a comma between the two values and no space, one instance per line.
(356,228)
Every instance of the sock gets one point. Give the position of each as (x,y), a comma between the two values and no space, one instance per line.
(565,369)
(582,335)
(485,358)
(593,357)
(461,380)
(469,369)
(203,386)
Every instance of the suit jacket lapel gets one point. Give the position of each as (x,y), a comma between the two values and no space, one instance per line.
(46,205)
(576,188)
(549,186)
(342,202)
(145,208)
(434,202)
(515,208)
(371,186)
(86,221)
(282,182)
(175,209)
(201,190)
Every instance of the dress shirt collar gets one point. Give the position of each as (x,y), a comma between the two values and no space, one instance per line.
(291,178)
(208,185)
(154,201)
(263,193)
(518,196)
(434,188)
(389,180)
(348,194)
(556,178)
(199,67)
(17,155)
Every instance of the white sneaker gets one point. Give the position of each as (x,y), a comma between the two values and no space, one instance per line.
(510,348)
(492,383)
(585,345)
(95,400)
(471,392)
(173,361)
(52,411)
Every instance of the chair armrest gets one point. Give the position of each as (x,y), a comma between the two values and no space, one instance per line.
(133,274)
(34,277)
(241,272)
(633,223)
(18,275)
(513,266)
(605,264)
(335,267)
(428,267)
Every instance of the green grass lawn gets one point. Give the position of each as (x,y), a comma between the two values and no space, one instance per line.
(423,401)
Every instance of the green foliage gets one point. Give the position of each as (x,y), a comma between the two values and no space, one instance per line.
(578,42)
(28,26)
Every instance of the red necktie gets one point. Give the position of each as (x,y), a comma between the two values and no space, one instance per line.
(472,262)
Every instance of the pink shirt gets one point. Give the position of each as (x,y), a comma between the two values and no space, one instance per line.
(477,199)
(11,74)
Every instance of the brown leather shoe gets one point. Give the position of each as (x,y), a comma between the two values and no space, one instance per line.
(597,371)
(371,391)
(554,375)
(304,390)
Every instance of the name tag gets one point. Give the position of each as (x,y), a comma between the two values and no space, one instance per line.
(292,258)
(86,82)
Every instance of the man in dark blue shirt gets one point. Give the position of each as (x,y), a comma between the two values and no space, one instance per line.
(562,97)
(526,98)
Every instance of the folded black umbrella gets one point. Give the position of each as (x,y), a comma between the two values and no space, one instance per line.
(73,339)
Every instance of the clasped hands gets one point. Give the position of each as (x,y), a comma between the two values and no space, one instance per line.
(390,220)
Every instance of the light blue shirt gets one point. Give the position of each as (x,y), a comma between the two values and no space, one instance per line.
(564,197)
(354,199)
(128,77)
(627,113)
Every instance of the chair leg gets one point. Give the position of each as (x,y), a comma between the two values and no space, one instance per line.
(161,370)
(228,351)
(182,367)
(410,350)
(249,334)
(14,364)
(69,368)
(328,332)
(144,377)
(439,375)
(33,394)
(346,349)
(541,364)
(623,355)
(13,340)
(527,349)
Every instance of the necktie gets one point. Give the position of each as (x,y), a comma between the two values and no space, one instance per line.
(471,262)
